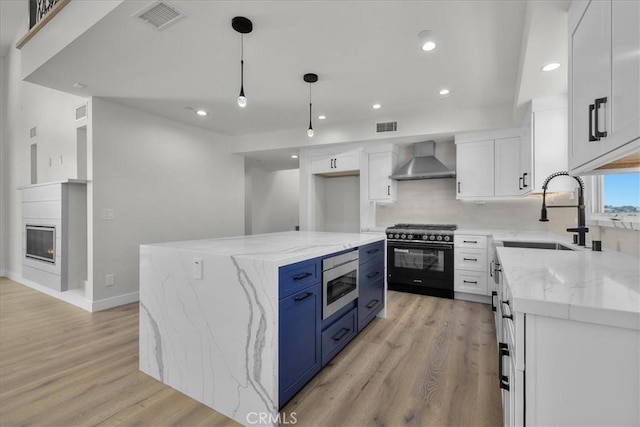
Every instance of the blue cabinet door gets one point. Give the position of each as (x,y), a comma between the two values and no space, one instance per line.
(299,340)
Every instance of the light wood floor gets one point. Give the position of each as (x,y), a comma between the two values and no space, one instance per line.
(431,362)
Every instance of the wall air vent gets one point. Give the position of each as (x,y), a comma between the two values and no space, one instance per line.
(33,132)
(82,112)
(160,15)
(387,127)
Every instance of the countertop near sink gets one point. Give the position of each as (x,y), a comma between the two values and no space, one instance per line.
(597,287)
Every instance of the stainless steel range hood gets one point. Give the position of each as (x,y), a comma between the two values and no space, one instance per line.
(424,165)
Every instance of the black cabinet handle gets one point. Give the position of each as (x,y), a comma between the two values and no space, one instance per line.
(302,276)
(458,187)
(491,270)
(520,183)
(301,297)
(373,251)
(493,306)
(388,190)
(592,108)
(374,274)
(340,334)
(372,303)
(599,102)
(470,241)
(503,350)
(469,281)
(524,180)
(470,259)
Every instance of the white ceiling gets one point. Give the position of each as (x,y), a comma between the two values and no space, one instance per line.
(364,52)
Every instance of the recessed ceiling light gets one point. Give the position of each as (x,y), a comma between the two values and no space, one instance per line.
(201,112)
(293,156)
(426,40)
(78,85)
(376,106)
(322,117)
(552,66)
(444,92)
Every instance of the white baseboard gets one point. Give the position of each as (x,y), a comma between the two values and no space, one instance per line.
(106,303)
(74,298)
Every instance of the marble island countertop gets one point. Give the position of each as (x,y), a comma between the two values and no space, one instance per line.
(598,287)
(278,248)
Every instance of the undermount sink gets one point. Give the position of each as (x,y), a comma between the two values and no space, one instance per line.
(538,245)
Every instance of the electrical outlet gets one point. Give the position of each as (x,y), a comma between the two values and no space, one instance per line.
(108,214)
(196,268)
(110,280)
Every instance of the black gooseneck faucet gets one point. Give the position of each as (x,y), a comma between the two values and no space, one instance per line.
(581,229)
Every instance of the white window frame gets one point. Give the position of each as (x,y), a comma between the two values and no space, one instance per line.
(594,202)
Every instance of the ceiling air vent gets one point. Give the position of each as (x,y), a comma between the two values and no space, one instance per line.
(387,127)
(160,15)
(81,112)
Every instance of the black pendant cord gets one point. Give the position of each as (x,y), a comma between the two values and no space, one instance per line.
(310,104)
(241,64)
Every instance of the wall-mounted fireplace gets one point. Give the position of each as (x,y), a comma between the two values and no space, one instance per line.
(41,243)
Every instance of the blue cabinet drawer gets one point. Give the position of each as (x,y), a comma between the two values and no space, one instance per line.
(338,335)
(372,252)
(294,277)
(370,273)
(370,302)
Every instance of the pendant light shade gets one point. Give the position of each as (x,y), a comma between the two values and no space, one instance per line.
(310,78)
(243,26)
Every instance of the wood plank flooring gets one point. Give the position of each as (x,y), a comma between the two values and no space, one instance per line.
(431,362)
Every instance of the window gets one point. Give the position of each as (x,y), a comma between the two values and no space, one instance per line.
(621,193)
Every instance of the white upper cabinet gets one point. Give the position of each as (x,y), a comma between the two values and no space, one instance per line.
(339,163)
(381,187)
(604,81)
(492,164)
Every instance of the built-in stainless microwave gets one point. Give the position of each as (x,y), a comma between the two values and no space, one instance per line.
(339,282)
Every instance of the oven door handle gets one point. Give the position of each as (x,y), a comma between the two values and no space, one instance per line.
(404,247)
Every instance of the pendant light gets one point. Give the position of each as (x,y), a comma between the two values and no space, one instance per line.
(243,26)
(310,78)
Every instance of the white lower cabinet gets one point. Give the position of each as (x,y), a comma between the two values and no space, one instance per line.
(471,272)
(555,371)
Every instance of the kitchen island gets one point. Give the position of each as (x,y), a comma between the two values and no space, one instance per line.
(209,315)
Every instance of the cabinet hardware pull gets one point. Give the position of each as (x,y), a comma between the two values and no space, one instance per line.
(458,187)
(503,350)
(417,281)
(592,108)
(388,190)
(373,251)
(524,180)
(335,163)
(302,276)
(470,259)
(599,102)
(340,334)
(305,296)
(491,270)
(493,306)
(470,241)
(520,183)
(374,274)
(469,281)
(507,316)
(373,303)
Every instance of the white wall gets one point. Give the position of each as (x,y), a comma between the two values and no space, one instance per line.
(24,106)
(272,199)
(165,181)
(338,204)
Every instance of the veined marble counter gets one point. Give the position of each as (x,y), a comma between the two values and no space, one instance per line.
(597,287)
(214,335)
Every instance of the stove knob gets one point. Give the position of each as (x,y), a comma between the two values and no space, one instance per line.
(447,238)
(410,236)
(432,237)
(404,236)
(390,235)
(397,236)
(439,237)
(425,237)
